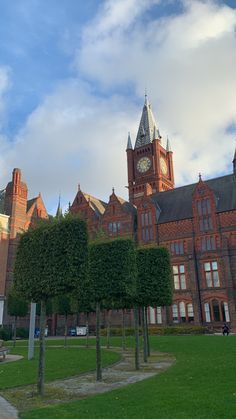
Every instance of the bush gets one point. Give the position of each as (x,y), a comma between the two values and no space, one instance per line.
(5,333)
(117,331)
(22,332)
(158,330)
(177,330)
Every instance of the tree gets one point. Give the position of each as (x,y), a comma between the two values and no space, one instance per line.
(62,305)
(50,261)
(16,307)
(112,278)
(154,285)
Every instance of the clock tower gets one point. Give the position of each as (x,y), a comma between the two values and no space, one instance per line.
(149,162)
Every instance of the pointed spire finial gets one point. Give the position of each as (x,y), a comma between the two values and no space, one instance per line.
(59,209)
(129,143)
(78,187)
(200,177)
(113,190)
(145,97)
(168,144)
(155,134)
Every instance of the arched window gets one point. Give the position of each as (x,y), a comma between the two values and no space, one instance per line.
(207,312)
(175,313)
(159,315)
(182,311)
(190,312)
(216,310)
(225,311)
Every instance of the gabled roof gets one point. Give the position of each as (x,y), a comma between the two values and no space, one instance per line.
(96,204)
(147,127)
(31,202)
(127,205)
(176,204)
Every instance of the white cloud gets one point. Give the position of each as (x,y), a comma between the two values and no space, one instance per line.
(74,137)
(4,86)
(188,64)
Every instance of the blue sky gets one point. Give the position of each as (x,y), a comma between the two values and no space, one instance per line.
(72,81)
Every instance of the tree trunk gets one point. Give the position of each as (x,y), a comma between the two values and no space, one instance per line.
(136,326)
(98,346)
(144,335)
(41,367)
(87,330)
(123,330)
(65,331)
(146,325)
(108,329)
(14,332)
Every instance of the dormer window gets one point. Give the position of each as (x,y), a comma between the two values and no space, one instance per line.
(204,214)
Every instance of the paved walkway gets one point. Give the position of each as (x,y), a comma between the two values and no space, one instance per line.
(118,375)
(7,411)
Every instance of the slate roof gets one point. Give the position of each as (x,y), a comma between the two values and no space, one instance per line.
(30,202)
(127,205)
(147,127)
(176,204)
(96,204)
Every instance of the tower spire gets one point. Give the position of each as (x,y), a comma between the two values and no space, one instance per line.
(59,209)
(147,127)
(129,143)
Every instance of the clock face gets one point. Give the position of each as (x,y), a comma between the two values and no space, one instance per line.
(144,164)
(163,166)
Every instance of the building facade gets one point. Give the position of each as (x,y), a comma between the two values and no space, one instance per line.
(196,223)
(17,213)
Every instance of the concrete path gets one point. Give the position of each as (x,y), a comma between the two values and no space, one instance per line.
(115,376)
(7,411)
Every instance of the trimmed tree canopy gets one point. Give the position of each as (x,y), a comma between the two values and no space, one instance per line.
(51,258)
(112,270)
(154,287)
(16,305)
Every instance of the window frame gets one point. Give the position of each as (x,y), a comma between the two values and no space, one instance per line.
(179,277)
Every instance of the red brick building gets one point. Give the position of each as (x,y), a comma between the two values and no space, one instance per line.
(196,222)
(17,213)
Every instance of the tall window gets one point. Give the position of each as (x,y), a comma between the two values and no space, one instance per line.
(204,213)
(179,277)
(182,312)
(217,311)
(159,315)
(190,312)
(114,228)
(177,248)
(147,228)
(211,274)
(208,243)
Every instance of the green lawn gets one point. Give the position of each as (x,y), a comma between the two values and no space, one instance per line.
(202,384)
(60,363)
